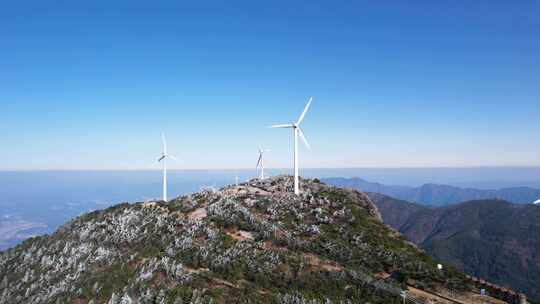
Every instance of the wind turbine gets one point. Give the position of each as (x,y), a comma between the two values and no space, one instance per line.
(260,162)
(163,160)
(297,132)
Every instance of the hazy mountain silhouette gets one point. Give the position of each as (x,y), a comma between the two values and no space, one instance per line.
(439,195)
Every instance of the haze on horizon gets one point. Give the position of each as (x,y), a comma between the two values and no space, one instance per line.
(423,84)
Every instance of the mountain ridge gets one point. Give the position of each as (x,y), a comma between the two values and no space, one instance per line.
(438,194)
(491,239)
(252,243)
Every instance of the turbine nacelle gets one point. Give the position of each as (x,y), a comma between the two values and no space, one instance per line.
(296,128)
(164,156)
(262,151)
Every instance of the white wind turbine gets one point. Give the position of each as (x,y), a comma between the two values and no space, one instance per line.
(297,132)
(163,160)
(260,162)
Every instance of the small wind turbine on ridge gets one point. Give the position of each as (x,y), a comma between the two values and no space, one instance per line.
(296,133)
(163,160)
(260,162)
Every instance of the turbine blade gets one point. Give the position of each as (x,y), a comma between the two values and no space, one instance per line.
(164,143)
(282,126)
(154,163)
(259,161)
(303,138)
(305,111)
(172,156)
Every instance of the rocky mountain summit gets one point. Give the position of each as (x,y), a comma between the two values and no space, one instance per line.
(251,243)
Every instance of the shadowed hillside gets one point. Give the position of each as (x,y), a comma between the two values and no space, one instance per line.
(490,239)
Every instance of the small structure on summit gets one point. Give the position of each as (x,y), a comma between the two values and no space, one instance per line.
(260,162)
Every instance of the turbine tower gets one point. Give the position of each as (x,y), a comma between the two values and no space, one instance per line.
(163,160)
(260,162)
(297,132)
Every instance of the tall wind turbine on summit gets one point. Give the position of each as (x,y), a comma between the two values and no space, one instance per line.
(297,132)
(260,162)
(163,160)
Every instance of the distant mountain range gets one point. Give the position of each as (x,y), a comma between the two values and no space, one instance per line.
(491,239)
(438,195)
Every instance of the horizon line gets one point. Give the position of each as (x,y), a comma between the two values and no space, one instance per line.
(286,168)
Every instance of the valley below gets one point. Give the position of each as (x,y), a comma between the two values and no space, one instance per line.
(490,239)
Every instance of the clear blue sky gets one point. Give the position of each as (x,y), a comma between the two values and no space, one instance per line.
(396,83)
